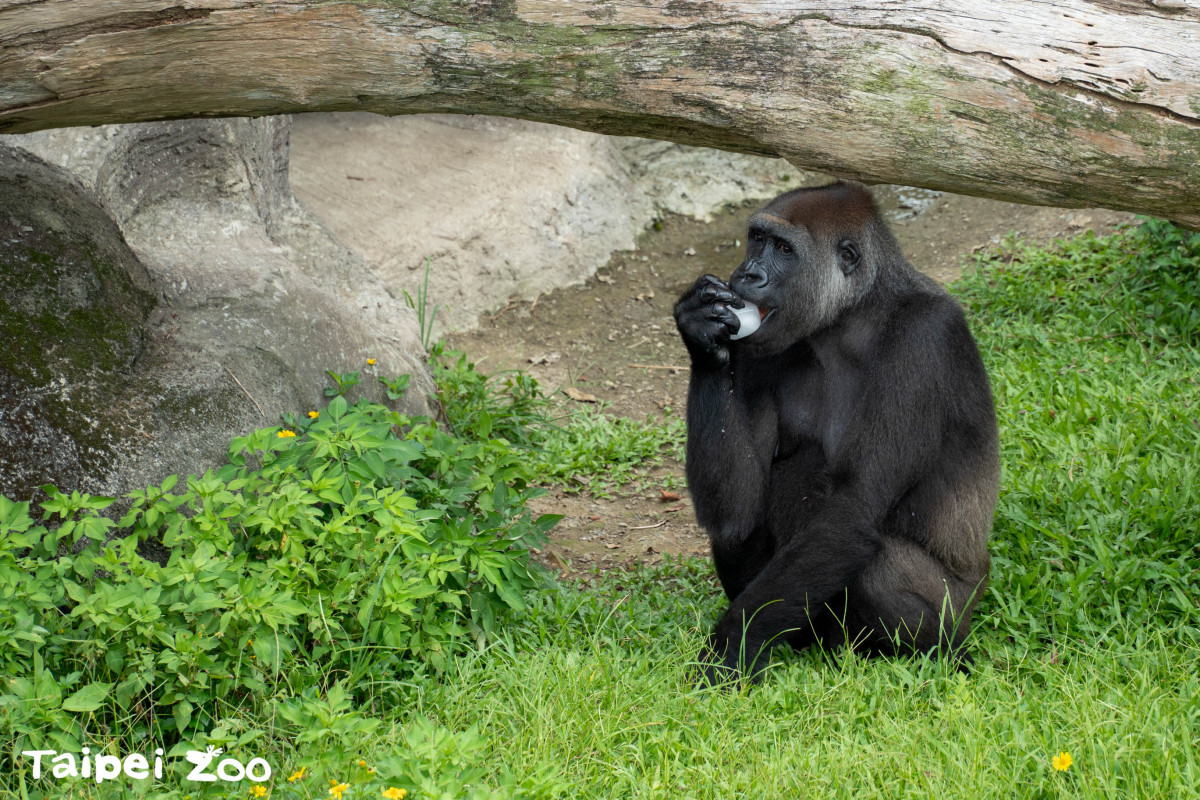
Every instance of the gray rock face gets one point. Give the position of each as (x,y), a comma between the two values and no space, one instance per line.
(162,292)
(502,208)
(74,301)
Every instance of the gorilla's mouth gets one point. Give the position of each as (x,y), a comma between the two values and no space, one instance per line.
(763,313)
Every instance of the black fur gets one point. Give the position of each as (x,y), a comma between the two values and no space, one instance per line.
(844,458)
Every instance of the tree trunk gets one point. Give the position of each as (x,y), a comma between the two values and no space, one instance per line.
(1076,103)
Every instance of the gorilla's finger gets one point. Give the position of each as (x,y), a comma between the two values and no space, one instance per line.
(715,294)
(721,312)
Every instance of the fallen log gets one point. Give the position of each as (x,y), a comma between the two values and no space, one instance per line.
(1075,103)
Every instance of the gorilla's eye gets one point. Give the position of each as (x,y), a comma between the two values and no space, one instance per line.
(848,255)
(757,237)
(784,247)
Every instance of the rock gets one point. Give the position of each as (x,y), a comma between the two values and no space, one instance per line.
(74,301)
(148,270)
(502,208)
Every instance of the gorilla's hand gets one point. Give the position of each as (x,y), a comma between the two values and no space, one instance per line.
(705,320)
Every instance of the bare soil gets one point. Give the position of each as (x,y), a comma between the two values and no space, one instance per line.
(614,338)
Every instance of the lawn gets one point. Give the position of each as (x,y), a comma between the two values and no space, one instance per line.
(434,662)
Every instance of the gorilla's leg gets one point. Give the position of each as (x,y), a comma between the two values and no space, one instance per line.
(786,602)
(905,600)
(740,564)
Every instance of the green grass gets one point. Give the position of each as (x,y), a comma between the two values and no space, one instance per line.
(593,696)
(600,453)
(610,704)
(581,449)
(1094,352)
(1086,641)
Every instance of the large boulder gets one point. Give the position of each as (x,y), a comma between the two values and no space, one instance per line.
(74,302)
(160,292)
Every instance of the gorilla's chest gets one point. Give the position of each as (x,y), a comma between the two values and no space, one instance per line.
(802,421)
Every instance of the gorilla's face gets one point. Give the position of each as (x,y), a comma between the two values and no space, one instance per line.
(801,278)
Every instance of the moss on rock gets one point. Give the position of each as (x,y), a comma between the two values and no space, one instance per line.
(73,306)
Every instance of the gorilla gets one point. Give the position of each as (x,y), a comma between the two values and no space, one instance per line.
(843,458)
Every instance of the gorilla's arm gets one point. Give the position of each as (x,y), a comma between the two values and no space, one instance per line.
(727,478)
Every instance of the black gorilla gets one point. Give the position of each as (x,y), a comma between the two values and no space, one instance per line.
(843,458)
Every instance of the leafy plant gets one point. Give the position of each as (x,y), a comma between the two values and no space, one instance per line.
(328,724)
(506,405)
(342,381)
(358,541)
(395,387)
(585,448)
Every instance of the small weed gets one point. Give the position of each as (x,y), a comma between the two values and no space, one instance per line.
(395,387)
(425,314)
(342,381)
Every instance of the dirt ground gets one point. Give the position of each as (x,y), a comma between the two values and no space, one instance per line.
(614,338)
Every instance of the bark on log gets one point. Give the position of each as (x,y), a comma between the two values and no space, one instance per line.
(1073,103)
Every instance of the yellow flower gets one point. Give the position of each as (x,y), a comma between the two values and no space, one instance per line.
(1062,762)
(314,414)
(297,775)
(371,361)
(257,791)
(286,434)
(336,790)
(394,793)
(362,762)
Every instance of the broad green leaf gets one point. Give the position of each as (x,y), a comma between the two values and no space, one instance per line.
(89,698)
(337,407)
(183,715)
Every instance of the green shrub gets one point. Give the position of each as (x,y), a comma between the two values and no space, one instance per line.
(360,542)
(508,405)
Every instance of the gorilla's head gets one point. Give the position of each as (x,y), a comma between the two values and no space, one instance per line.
(811,254)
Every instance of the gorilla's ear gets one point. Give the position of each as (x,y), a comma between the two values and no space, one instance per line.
(848,256)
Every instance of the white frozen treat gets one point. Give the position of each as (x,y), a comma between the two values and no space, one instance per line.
(750,320)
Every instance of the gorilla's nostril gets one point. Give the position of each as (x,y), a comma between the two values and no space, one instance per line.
(755,276)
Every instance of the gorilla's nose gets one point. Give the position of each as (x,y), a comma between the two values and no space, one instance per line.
(751,276)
